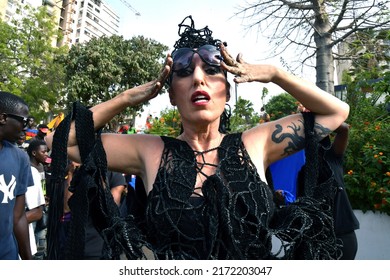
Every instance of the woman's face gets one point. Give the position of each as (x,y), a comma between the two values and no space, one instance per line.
(199,91)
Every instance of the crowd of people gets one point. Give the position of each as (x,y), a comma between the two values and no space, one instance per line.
(206,194)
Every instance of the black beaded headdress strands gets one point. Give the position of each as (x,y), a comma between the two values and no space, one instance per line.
(194,38)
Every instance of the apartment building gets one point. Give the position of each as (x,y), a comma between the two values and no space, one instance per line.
(78,20)
(93,19)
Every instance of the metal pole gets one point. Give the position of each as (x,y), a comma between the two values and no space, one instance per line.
(236,85)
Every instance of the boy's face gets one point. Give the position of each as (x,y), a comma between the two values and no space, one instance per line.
(14,124)
(31,122)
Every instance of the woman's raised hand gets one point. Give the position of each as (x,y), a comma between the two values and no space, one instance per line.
(150,90)
(245,72)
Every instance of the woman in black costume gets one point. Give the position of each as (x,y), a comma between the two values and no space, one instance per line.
(207,193)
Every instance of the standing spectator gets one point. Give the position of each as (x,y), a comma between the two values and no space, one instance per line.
(35,200)
(264,116)
(31,129)
(21,142)
(149,122)
(15,177)
(93,241)
(42,131)
(345,220)
(60,215)
(93,244)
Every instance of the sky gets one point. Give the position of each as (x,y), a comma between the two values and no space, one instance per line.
(159,20)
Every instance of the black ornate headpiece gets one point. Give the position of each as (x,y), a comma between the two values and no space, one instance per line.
(194,38)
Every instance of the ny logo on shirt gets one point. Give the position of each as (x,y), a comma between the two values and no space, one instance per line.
(7,189)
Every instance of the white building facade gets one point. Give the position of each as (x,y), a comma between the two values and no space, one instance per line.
(93,19)
(78,20)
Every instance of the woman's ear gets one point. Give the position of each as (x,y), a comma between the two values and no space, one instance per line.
(227,96)
(171,97)
(227,91)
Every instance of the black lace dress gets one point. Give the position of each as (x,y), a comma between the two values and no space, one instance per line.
(236,216)
(228,222)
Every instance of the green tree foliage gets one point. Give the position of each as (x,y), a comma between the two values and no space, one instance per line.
(103,67)
(367,162)
(370,51)
(281,105)
(28,61)
(244,116)
(169,124)
(368,157)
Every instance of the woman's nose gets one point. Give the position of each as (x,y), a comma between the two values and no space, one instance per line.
(198,74)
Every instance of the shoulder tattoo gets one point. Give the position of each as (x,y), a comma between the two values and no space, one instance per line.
(321,131)
(296,138)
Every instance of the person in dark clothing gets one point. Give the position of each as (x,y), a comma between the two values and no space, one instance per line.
(15,178)
(93,240)
(345,221)
(43,129)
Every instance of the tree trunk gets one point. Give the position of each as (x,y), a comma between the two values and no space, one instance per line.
(324,67)
(324,57)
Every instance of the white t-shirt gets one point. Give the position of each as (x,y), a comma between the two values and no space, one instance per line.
(34,198)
